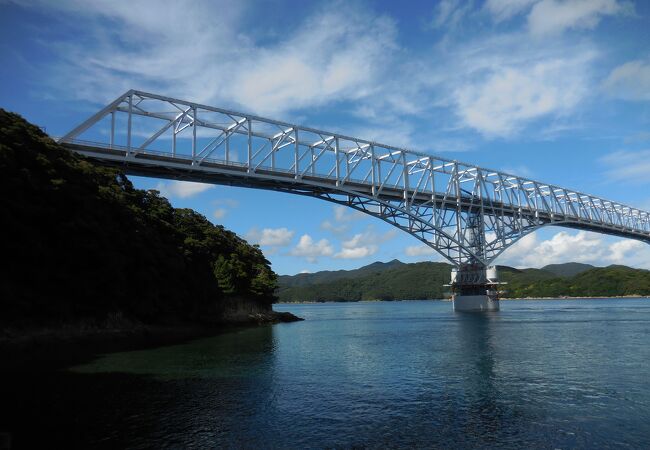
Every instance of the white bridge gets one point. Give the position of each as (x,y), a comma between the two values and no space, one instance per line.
(468,214)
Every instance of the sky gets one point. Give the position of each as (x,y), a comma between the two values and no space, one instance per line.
(554,90)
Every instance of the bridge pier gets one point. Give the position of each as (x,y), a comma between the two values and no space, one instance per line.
(475,288)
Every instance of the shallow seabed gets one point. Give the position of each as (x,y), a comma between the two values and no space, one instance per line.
(543,374)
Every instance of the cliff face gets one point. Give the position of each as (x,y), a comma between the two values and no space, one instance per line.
(79,241)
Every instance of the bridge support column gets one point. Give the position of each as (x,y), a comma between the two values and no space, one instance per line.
(475,288)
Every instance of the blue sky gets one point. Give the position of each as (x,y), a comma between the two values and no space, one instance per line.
(556,90)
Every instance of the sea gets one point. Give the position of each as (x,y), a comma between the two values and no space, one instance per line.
(556,374)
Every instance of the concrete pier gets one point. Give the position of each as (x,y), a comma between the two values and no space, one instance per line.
(475,288)
(475,303)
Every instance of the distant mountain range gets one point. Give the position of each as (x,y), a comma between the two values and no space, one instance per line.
(395,280)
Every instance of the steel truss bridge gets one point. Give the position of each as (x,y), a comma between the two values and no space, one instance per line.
(468,214)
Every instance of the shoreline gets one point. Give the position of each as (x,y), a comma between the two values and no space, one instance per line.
(448,299)
(84,336)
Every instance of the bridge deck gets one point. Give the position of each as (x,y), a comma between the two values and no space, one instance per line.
(182,167)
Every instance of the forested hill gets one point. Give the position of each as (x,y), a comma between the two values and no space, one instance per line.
(425,280)
(78,240)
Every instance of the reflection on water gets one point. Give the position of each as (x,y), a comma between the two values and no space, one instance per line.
(477,343)
(242,353)
(405,374)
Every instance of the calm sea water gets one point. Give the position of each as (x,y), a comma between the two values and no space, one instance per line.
(542,374)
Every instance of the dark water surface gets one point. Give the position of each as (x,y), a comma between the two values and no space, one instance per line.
(543,374)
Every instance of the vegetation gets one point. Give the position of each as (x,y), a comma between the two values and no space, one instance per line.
(79,240)
(375,282)
(419,281)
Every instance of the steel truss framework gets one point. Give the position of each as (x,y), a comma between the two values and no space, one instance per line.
(467,213)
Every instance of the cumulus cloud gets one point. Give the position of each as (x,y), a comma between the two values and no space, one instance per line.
(555,16)
(362,245)
(181,189)
(628,166)
(583,246)
(312,250)
(357,252)
(630,81)
(359,246)
(270,237)
(623,250)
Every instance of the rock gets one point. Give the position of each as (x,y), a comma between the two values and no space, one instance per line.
(285,316)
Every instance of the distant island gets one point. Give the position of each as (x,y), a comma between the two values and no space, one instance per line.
(82,248)
(395,280)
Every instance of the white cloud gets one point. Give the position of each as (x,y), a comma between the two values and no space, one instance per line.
(312,250)
(328,225)
(555,16)
(220,213)
(224,204)
(364,244)
(622,251)
(342,54)
(144,44)
(450,12)
(585,247)
(343,216)
(419,250)
(628,166)
(630,81)
(500,83)
(514,255)
(357,252)
(271,237)
(201,51)
(509,97)
(329,57)
(505,9)
(181,189)
(581,247)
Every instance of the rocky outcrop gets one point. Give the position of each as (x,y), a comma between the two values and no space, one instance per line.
(237,310)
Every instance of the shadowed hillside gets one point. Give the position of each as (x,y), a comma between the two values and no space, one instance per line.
(79,241)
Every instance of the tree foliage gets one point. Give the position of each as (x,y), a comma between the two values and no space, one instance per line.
(420,281)
(79,240)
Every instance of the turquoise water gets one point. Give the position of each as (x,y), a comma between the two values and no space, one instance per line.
(538,374)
